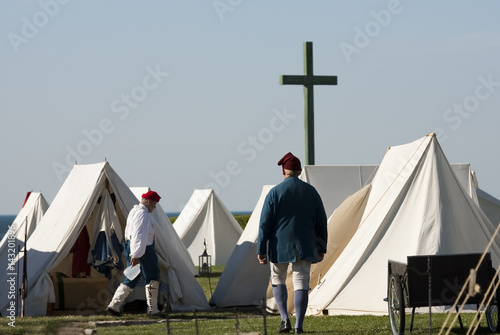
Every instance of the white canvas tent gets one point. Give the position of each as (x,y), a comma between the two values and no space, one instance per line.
(341,188)
(206,218)
(160,216)
(244,281)
(34,207)
(416,206)
(93,197)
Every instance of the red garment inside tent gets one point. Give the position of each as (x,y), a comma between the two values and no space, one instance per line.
(80,252)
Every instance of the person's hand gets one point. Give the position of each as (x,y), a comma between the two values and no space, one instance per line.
(320,256)
(262,259)
(134,261)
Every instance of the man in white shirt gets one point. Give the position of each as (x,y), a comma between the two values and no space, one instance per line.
(139,249)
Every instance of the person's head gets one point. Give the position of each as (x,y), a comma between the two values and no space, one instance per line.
(290,165)
(150,199)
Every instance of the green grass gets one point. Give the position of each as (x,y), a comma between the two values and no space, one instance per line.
(226,323)
(208,281)
(242,220)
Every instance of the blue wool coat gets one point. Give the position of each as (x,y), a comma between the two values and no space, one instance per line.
(292,223)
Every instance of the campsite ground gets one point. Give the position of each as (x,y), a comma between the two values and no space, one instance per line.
(217,322)
(220,322)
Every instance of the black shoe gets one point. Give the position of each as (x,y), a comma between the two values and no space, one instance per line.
(159,315)
(298,331)
(285,327)
(112,312)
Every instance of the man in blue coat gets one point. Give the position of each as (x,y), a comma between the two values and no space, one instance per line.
(293,229)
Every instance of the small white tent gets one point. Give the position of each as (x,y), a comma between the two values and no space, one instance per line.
(244,281)
(160,216)
(206,219)
(34,207)
(416,206)
(95,199)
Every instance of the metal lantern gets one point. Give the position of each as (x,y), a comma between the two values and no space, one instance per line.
(205,260)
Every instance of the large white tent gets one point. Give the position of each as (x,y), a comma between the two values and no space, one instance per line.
(160,216)
(347,198)
(205,219)
(416,206)
(93,198)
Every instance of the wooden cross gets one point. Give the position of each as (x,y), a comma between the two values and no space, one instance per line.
(308,80)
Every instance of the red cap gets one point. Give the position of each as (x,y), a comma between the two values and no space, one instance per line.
(151,195)
(290,162)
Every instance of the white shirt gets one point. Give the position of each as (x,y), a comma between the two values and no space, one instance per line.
(139,230)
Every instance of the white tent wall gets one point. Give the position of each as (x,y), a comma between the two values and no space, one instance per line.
(335,183)
(160,216)
(490,205)
(74,206)
(206,219)
(244,281)
(416,206)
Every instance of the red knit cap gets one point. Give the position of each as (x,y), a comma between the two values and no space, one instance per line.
(151,195)
(290,162)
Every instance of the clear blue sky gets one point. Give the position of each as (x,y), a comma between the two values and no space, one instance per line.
(179,95)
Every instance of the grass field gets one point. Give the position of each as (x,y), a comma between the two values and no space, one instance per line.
(224,322)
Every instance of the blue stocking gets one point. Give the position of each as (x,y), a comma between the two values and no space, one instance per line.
(300,301)
(280,295)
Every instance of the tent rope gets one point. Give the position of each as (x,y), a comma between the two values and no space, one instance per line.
(488,294)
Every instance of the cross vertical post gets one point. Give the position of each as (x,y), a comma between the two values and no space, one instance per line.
(308,80)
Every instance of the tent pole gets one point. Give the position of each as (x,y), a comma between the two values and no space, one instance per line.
(24,289)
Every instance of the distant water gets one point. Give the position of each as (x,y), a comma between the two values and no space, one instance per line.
(176,214)
(5,221)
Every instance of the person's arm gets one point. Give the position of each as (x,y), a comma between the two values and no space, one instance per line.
(139,237)
(321,229)
(264,230)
